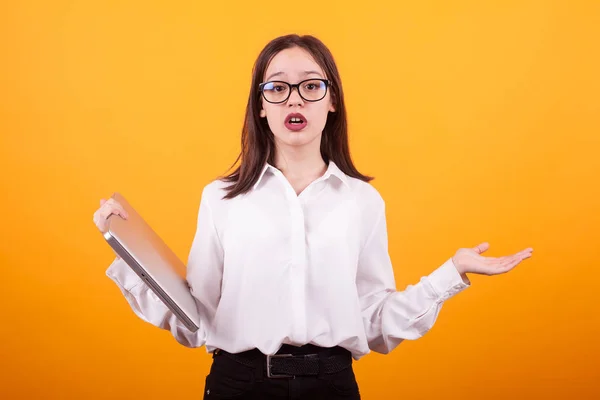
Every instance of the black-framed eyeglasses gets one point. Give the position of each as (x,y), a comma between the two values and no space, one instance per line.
(277,92)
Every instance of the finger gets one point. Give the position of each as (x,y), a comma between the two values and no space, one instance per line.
(499,260)
(526,251)
(507,263)
(510,265)
(117,206)
(109,211)
(511,257)
(119,210)
(122,212)
(498,267)
(105,204)
(480,248)
(525,257)
(517,258)
(98,222)
(522,256)
(104,214)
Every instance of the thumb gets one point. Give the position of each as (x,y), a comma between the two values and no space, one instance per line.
(102,201)
(480,248)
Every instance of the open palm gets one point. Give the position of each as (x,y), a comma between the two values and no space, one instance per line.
(470,260)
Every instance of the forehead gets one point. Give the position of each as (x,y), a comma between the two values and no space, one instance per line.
(293,62)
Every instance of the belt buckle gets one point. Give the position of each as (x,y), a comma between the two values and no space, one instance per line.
(269,365)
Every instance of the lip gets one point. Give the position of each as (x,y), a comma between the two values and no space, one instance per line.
(295,127)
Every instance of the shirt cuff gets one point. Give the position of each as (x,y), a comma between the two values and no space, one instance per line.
(123,275)
(446,280)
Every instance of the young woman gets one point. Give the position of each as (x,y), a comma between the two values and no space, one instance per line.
(289,263)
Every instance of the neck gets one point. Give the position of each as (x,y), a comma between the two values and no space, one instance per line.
(300,162)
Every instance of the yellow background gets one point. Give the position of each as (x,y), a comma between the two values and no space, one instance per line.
(480,121)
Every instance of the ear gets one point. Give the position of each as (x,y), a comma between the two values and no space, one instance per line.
(331,108)
(263,113)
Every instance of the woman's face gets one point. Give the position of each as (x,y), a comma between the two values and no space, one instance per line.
(296,121)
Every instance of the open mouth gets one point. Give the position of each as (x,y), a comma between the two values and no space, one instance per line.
(295,122)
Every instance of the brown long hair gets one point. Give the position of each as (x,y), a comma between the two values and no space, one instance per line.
(258,142)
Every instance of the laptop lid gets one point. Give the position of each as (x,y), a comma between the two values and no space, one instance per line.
(153,261)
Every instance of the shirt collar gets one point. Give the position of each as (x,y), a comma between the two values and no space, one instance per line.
(262,173)
(332,169)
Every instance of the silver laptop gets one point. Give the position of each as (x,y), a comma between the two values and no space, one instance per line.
(153,261)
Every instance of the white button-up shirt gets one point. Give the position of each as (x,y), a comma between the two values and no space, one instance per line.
(272,267)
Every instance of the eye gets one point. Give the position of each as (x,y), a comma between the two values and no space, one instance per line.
(313,86)
(274,87)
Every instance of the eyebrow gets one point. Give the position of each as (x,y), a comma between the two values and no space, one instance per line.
(283,73)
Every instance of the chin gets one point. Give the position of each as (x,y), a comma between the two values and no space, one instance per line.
(297,139)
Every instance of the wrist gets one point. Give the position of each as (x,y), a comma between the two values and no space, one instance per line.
(461,271)
(459,267)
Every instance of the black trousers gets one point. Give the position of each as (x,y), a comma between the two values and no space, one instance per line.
(229,379)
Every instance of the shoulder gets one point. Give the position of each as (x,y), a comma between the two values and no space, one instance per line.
(211,200)
(214,190)
(370,206)
(365,194)
(213,193)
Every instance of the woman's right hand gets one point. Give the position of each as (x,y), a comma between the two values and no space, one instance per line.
(107,208)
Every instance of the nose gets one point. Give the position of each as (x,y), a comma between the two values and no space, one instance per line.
(295,98)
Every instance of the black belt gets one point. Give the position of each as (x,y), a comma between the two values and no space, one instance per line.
(291,361)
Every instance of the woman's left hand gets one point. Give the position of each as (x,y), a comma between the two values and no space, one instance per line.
(470,261)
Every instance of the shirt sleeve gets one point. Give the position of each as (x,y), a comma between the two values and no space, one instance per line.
(204,272)
(390,316)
